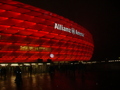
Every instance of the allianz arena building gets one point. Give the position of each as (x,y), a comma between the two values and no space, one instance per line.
(29,34)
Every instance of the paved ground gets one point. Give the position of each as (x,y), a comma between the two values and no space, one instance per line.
(89,80)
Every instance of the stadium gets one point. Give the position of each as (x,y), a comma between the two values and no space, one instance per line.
(31,34)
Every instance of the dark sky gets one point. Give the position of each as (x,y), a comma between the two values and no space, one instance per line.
(99,17)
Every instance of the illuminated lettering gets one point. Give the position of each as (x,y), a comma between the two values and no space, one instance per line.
(57,26)
(37,49)
(61,27)
(24,48)
(73,31)
(30,48)
(79,33)
(70,30)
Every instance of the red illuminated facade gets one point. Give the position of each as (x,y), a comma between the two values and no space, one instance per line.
(28,33)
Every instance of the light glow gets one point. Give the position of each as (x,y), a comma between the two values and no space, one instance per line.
(52,55)
(14,64)
(28,34)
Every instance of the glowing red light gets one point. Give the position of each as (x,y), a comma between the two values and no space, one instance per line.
(28,33)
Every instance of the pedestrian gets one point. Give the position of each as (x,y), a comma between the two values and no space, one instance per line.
(30,70)
(18,73)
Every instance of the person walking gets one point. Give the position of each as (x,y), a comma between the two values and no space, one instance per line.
(18,73)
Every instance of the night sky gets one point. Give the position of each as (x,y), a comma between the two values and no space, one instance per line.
(99,17)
